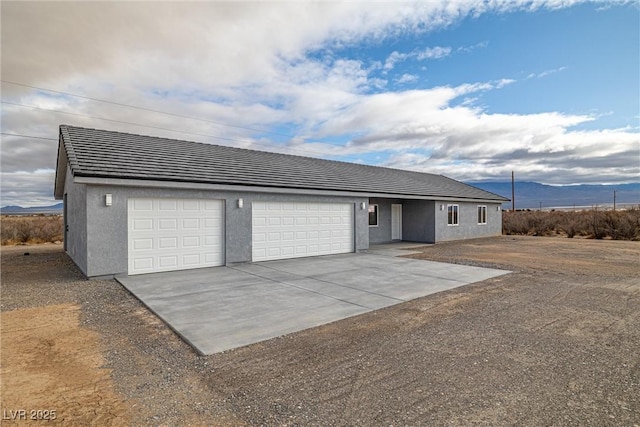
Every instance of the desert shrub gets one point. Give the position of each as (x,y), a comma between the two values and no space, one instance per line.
(31,229)
(597,221)
(573,224)
(622,225)
(619,225)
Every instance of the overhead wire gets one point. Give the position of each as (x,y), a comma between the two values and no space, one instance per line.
(121,104)
(28,136)
(270,146)
(118,121)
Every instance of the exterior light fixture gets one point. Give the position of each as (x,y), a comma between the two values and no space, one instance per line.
(441,207)
(240,203)
(363,205)
(108,199)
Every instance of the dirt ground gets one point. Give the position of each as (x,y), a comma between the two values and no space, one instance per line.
(556,342)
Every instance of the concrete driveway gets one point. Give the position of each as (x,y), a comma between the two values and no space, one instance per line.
(220,308)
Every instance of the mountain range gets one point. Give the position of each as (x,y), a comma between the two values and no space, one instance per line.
(19,210)
(529,195)
(533,195)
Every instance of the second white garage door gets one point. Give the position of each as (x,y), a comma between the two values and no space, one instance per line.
(174,234)
(292,230)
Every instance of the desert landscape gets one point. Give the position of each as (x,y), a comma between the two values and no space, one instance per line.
(555,342)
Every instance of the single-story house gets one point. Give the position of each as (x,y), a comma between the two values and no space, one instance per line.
(137,204)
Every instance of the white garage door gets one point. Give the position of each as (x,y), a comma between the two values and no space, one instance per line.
(174,234)
(292,230)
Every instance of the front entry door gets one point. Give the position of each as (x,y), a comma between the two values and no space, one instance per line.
(396,222)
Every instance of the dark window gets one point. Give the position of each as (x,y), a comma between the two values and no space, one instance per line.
(373,215)
(482,214)
(452,214)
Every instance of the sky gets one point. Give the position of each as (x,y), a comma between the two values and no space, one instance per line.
(469,89)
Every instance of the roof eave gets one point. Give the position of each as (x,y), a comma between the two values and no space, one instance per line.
(61,170)
(184,184)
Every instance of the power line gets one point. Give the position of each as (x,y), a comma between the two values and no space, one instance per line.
(28,136)
(271,146)
(117,121)
(148,109)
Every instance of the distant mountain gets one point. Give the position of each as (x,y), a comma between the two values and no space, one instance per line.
(53,209)
(530,195)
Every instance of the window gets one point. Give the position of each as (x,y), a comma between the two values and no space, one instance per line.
(373,215)
(482,214)
(452,214)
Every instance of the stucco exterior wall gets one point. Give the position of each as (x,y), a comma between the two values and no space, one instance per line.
(107,240)
(418,221)
(468,227)
(426,221)
(382,232)
(75,221)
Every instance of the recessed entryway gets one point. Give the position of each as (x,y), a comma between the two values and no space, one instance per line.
(217,309)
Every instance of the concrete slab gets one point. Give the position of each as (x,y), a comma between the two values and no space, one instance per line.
(220,308)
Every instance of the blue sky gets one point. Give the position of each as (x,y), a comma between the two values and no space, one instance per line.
(471,90)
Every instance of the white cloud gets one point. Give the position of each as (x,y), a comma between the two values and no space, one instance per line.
(480,45)
(406,78)
(421,55)
(546,73)
(433,53)
(394,58)
(270,66)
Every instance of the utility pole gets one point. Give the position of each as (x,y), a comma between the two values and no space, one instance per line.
(513,193)
(614,199)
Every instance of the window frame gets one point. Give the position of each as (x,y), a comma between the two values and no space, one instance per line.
(482,214)
(376,210)
(453,215)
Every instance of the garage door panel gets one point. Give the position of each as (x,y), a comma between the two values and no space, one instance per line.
(143,263)
(168,261)
(309,225)
(288,236)
(211,223)
(142,224)
(190,241)
(174,234)
(142,205)
(168,243)
(168,205)
(167,224)
(142,244)
(191,205)
(190,223)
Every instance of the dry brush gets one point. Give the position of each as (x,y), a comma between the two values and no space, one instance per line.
(31,229)
(595,224)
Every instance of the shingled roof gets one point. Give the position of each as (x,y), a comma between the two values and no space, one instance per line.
(107,154)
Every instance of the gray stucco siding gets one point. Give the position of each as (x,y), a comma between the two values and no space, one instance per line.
(426,221)
(418,219)
(107,229)
(382,232)
(75,222)
(468,227)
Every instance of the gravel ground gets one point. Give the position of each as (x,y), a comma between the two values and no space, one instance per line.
(557,342)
